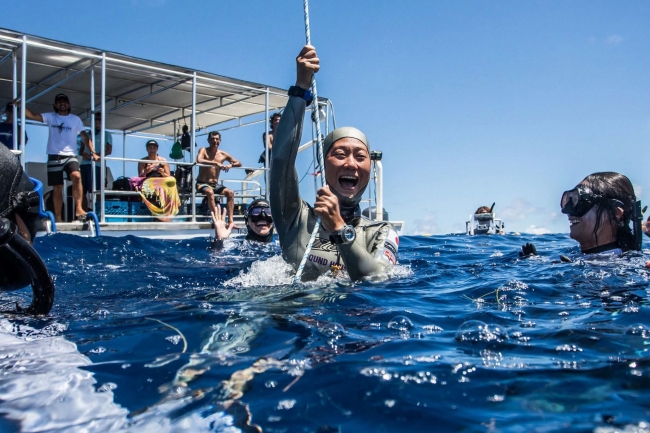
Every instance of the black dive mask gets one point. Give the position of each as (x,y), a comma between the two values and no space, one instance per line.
(578,201)
(259,213)
(259,210)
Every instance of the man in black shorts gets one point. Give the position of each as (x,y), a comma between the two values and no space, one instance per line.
(207,181)
(61,150)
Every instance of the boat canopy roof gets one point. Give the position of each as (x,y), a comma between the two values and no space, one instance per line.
(141,95)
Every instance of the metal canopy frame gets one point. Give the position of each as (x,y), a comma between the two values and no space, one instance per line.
(154,94)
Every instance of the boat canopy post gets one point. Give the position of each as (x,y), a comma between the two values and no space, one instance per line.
(23,95)
(193,147)
(267,163)
(379,194)
(102,151)
(92,137)
(14,93)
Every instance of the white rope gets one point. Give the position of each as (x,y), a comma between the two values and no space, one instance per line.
(316,117)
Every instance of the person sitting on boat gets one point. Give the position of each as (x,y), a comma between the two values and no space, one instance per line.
(61,150)
(20,214)
(268,142)
(155,184)
(208,178)
(604,215)
(346,240)
(7,128)
(259,223)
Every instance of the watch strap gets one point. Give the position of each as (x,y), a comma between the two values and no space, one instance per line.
(301,93)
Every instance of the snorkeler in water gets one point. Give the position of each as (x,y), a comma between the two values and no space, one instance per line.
(20,206)
(258,219)
(346,240)
(604,215)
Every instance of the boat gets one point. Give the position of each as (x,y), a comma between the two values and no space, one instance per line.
(145,99)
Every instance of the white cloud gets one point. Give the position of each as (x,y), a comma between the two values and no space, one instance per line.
(637,191)
(613,39)
(519,210)
(537,230)
(426,225)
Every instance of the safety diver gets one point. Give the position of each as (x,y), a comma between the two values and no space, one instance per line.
(20,214)
(346,240)
(258,219)
(604,215)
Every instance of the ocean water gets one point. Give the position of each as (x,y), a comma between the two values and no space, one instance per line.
(463,336)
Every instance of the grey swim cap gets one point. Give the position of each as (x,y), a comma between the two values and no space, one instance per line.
(344,132)
(333,137)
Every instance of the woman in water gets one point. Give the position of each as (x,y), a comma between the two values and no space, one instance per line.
(604,215)
(259,223)
(600,210)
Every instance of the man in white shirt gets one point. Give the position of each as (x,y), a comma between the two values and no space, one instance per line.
(61,150)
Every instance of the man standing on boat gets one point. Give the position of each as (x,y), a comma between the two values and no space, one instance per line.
(61,150)
(346,240)
(268,142)
(207,181)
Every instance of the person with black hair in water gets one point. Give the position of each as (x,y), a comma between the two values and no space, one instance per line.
(604,215)
(20,213)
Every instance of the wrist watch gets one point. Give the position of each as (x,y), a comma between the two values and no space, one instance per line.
(301,93)
(345,235)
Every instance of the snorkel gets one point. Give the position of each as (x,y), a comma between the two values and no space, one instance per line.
(348,204)
(637,224)
(20,264)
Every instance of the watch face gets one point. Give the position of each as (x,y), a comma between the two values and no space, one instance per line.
(348,234)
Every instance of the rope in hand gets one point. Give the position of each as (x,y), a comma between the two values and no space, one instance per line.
(316,117)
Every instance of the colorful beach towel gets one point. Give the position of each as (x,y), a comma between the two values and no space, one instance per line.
(159,194)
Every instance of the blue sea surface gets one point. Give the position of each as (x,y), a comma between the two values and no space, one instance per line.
(463,336)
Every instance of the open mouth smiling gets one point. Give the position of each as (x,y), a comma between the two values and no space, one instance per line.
(348,182)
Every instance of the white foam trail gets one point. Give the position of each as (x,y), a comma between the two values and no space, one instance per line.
(42,388)
(271,272)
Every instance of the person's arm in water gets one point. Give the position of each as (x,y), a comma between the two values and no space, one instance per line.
(359,262)
(221,229)
(284,196)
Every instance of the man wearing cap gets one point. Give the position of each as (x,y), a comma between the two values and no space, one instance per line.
(346,240)
(63,129)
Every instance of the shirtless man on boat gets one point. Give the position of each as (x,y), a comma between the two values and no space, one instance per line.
(346,240)
(207,181)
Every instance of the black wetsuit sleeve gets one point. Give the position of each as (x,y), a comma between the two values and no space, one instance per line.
(284,194)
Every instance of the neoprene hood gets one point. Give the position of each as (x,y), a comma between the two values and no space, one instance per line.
(333,137)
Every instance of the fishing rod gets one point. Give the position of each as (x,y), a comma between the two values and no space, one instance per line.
(319,145)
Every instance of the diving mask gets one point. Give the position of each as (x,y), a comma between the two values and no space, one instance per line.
(578,201)
(259,213)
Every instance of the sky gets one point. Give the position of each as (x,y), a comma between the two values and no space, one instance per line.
(471,102)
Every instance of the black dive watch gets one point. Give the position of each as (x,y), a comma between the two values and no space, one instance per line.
(346,235)
(301,93)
